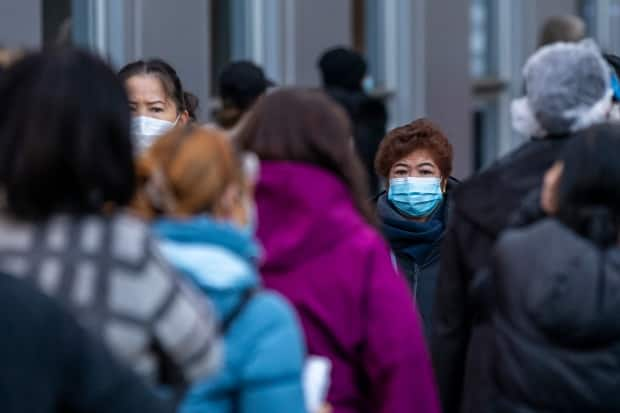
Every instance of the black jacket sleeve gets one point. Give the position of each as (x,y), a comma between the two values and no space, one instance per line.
(94,382)
(452,321)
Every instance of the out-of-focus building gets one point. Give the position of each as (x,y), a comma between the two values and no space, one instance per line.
(457,62)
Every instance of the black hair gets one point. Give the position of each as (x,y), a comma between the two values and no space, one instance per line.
(183,100)
(589,188)
(64,136)
(342,67)
(240,84)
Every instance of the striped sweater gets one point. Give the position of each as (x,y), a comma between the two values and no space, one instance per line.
(107,271)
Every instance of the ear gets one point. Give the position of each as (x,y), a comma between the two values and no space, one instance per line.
(444,185)
(550,188)
(184,118)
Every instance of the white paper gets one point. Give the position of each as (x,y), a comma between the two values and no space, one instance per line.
(316,382)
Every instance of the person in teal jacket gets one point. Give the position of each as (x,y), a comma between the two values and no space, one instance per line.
(191,189)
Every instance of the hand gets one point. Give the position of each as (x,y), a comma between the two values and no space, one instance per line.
(325,409)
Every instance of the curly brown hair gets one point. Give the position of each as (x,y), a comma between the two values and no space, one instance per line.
(404,140)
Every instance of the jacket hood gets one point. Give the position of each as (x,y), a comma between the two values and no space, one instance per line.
(303,211)
(217,256)
(574,295)
(491,198)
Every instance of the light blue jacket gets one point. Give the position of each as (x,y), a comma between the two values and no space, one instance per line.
(264,347)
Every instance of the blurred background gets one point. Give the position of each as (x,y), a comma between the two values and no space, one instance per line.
(455,61)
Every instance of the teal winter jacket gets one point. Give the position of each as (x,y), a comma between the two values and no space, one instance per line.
(263,343)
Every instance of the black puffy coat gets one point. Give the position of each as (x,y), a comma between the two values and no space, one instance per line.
(50,364)
(555,324)
(481,208)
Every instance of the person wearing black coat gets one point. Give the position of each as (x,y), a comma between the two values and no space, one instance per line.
(343,71)
(568,89)
(50,364)
(550,292)
(410,155)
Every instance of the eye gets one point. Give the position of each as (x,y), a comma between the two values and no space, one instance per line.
(401,172)
(426,172)
(157,110)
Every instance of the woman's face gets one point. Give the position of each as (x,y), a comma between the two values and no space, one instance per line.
(418,164)
(551,184)
(147,97)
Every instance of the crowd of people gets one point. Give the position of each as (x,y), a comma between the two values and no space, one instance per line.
(293,255)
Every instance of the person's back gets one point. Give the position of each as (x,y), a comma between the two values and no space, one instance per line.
(550,353)
(263,360)
(321,253)
(202,236)
(105,269)
(483,205)
(49,364)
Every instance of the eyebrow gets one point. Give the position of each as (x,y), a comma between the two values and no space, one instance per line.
(401,164)
(154,102)
(426,164)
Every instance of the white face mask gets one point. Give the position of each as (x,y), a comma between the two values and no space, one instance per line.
(614,113)
(146,130)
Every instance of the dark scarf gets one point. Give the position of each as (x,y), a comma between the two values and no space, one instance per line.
(414,239)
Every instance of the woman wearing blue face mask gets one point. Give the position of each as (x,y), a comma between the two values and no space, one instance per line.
(157,100)
(416,162)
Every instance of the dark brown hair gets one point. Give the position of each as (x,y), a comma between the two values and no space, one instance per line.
(184,101)
(304,125)
(404,140)
(65,142)
(562,29)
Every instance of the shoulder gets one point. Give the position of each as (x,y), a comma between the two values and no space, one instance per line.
(545,245)
(271,312)
(519,158)
(534,236)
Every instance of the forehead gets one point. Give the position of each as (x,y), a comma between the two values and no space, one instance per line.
(417,157)
(146,87)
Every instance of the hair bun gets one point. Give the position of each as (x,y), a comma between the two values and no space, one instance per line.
(191,104)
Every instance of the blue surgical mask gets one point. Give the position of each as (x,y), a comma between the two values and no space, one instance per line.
(415,197)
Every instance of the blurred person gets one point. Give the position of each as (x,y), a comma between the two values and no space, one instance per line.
(343,72)
(552,288)
(562,29)
(66,176)
(416,161)
(157,100)
(193,191)
(50,364)
(240,84)
(568,90)
(323,254)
